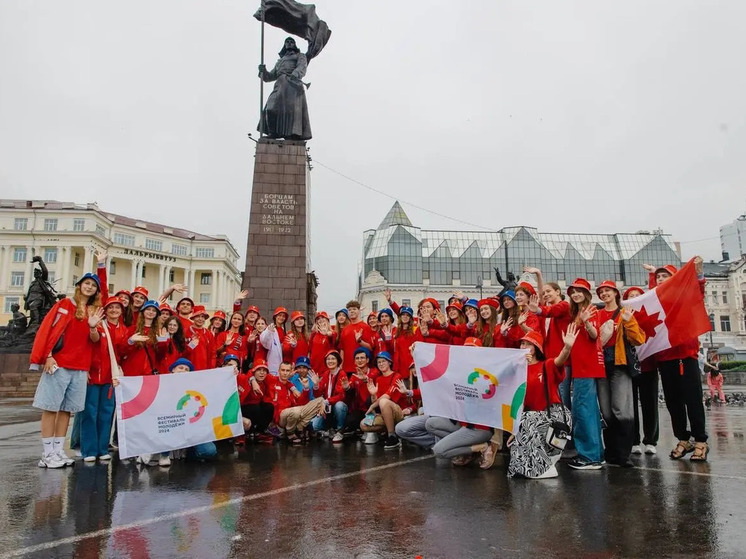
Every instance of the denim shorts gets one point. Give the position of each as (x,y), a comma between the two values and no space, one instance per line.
(62,391)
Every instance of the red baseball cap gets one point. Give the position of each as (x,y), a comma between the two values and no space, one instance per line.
(535,338)
(141,290)
(608,283)
(580,283)
(526,286)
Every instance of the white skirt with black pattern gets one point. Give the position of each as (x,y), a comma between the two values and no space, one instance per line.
(530,454)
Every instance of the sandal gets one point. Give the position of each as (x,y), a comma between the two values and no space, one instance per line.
(487,458)
(701,450)
(464,459)
(682,449)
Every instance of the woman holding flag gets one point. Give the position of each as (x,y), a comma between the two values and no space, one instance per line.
(680,377)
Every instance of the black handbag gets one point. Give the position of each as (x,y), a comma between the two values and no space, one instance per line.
(60,344)
(558,432)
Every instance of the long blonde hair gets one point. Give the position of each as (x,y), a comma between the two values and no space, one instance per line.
(86,309)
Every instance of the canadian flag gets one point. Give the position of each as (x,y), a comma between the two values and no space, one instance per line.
(672,313)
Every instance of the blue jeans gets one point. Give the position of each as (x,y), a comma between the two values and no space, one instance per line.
(96,418)
(337,418)
(75,433)
(202,451)
(586,420)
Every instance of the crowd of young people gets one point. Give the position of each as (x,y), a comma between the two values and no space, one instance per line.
(356,378)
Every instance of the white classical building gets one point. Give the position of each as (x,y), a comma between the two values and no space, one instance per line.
(725,300)
(66,235)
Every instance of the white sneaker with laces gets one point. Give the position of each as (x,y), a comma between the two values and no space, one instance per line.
(89,459)
(164,461)
(145,459)
(650,449)
(63,457)
(338,437)
(637,449)
(51,461)
(105,457)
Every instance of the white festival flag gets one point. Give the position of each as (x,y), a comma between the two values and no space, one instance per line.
(478,385)
(158,413)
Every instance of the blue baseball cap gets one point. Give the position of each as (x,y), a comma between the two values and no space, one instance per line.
(473,303)
(149,304)
(406,310)
(385,355)
(89,275)
(231,356)
(387,311)
(303,361)
(364,350)
(180,361)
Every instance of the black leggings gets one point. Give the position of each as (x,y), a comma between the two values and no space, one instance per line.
(682,387)
(260,415)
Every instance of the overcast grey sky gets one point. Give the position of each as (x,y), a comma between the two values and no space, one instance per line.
(567,116)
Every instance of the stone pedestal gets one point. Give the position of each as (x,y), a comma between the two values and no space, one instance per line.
(278,249)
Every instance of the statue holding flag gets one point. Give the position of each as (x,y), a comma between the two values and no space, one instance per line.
(286,112)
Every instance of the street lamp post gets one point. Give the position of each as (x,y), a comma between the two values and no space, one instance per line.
(712,327)
(479,286)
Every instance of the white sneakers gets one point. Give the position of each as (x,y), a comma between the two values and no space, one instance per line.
(145,459)
(338,437)
(105,457)
(164,461)
(51,461)
(637,449)
(650,449)
(89,459)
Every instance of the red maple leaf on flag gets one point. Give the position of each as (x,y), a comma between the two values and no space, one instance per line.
(648,322)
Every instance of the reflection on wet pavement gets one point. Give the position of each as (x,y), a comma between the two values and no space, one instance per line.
(349,500)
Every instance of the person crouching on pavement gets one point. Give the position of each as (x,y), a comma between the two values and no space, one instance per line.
(256,404)
(386,397)
(296,418)
(330,389)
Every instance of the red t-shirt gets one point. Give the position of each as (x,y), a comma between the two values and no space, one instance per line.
(536,396)
(387,385)
(77,348)
(348,344)
(319,346)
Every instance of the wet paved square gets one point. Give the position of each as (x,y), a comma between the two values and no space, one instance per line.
(352,500)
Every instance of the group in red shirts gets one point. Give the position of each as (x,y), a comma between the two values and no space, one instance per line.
(357,377)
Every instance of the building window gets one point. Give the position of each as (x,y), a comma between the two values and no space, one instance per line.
(75,280)
(112,268)
(171,276)
(374,306)
(725,297)
(205,253)
(50,224)
(205,279)
(143,270)
(11,301)
(179,250)
(442,304)
(111,288)
(124,240)
(204,298)
(76,260)
(16,279)
(153,244)
(78,224)
(406,302)
(19,254)
(714,297)
(725,323)
(50,255)
(712,322)
(20,224)
(100,230)
(455,274)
